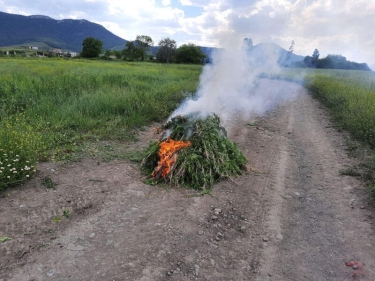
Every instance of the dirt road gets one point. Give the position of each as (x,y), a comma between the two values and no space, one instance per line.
(293,217)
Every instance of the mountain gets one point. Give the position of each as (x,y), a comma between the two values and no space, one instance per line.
(45,32)
(263,51)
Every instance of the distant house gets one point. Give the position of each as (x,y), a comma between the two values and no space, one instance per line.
(70,54)
(34,48)
(55,52)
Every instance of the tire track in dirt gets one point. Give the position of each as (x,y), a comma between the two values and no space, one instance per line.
(321,229)
(271,222)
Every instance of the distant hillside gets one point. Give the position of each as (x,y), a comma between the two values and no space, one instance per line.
(261,52)
(49,33)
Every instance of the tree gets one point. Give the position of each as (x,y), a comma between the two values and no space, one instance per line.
(189,53)
(132,52)
(166,50)
(308,61)
(144,42)
(108,54)
(315,55)
(91,48)
(117,54)
(248,44)
(284,60)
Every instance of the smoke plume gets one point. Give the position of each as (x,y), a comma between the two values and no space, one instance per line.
(232,85)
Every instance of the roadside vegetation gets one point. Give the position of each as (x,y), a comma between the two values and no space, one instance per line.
(52,108)
(350,96)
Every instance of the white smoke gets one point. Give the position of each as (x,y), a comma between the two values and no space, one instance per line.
(231,84)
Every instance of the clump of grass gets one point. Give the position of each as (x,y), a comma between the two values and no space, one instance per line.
(48,182)
(211,157)
(352,171)
(20,148)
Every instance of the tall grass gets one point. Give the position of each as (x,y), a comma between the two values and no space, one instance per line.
(350,96)
(67,101)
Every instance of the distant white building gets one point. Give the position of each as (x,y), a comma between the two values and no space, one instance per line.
(34,48)
(55,52)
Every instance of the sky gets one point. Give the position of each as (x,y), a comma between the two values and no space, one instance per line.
(343,27)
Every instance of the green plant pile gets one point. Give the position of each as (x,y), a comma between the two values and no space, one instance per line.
(210,158)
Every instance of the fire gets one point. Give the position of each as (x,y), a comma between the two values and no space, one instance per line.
(168,156)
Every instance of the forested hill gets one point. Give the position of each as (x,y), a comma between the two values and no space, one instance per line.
(46,32)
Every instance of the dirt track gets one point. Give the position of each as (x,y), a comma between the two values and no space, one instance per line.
(293,218)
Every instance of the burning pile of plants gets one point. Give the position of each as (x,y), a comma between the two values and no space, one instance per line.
(193,152)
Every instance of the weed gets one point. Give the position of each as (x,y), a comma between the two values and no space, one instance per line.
(4,239)
(20,148)
(47,182)
(42,245)
(135,155)
(354,148)
(352,171)
(57,219)
(66,213)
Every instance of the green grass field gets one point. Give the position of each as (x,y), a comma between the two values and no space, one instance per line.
(49,107)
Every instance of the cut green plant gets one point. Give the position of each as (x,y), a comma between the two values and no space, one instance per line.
(4,239)
(193,152)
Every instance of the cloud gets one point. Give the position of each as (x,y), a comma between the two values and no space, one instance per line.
(166,2)
(332,26)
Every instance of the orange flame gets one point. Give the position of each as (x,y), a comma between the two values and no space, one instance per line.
(168,156)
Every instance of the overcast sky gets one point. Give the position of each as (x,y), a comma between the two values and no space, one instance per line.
(343,27)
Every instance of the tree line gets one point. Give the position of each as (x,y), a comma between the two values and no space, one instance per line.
(331,62)
(139,50)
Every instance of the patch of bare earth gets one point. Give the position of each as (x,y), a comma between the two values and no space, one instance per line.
(292,217)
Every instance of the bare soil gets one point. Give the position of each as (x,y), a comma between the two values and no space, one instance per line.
(291,217)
